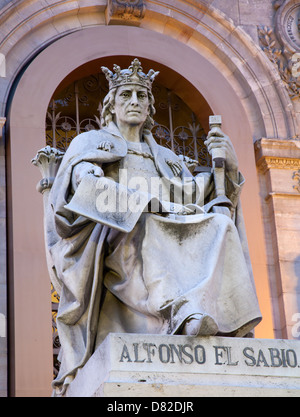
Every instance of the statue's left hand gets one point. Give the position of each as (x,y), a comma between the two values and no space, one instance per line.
(217,139)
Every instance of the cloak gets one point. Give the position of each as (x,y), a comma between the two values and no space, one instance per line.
(178,265)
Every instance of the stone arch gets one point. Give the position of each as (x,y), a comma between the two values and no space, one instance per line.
(200,26)
(240,73)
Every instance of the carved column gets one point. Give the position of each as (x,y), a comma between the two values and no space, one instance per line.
(278,163)
(126,12)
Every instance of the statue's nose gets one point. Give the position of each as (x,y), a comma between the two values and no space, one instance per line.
(134,98)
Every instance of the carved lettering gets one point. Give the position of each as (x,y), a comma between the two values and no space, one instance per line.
(188,359)
(291,358)
(125,354)
(164,353)
(199,354)
(261,359)
(177,350)
(224,354)
(276,361)
(248,356)
(149,347)
(220,356)
(136,353)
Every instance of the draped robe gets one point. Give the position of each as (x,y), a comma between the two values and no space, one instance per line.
(153,277)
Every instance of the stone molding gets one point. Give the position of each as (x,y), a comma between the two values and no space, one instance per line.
(277,148)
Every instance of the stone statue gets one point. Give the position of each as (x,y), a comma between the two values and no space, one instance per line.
(135,242)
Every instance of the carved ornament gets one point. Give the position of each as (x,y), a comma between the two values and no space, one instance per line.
(125,11)
(296,177)
(288,24)
(282,44)
(271,162)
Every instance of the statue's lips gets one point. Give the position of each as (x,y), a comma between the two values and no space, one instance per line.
(133,112)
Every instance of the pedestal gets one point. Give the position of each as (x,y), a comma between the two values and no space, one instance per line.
(128,365)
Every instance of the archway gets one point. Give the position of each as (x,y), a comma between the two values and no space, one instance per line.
(225,96)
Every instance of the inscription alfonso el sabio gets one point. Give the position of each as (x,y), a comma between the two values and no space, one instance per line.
(219,355)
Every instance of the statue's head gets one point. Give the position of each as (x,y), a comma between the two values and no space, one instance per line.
(132,76)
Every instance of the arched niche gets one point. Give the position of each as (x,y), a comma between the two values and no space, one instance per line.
(225,94)
(199,25)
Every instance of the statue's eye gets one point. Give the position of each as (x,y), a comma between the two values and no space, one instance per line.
(125,94)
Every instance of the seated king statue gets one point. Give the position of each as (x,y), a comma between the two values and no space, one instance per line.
(138,244)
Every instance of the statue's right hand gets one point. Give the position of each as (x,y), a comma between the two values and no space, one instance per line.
(82,169)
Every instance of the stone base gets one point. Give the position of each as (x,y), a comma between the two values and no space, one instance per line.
(134,365)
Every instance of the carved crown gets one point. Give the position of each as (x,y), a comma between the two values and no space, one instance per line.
(132,75)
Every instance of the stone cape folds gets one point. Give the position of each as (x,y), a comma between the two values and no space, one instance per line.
(155,275)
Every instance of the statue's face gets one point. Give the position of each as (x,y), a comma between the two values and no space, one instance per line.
(131,105)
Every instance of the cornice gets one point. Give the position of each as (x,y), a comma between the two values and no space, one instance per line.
(272,162)
(277,154)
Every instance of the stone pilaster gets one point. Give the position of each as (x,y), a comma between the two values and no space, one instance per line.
(278,163)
